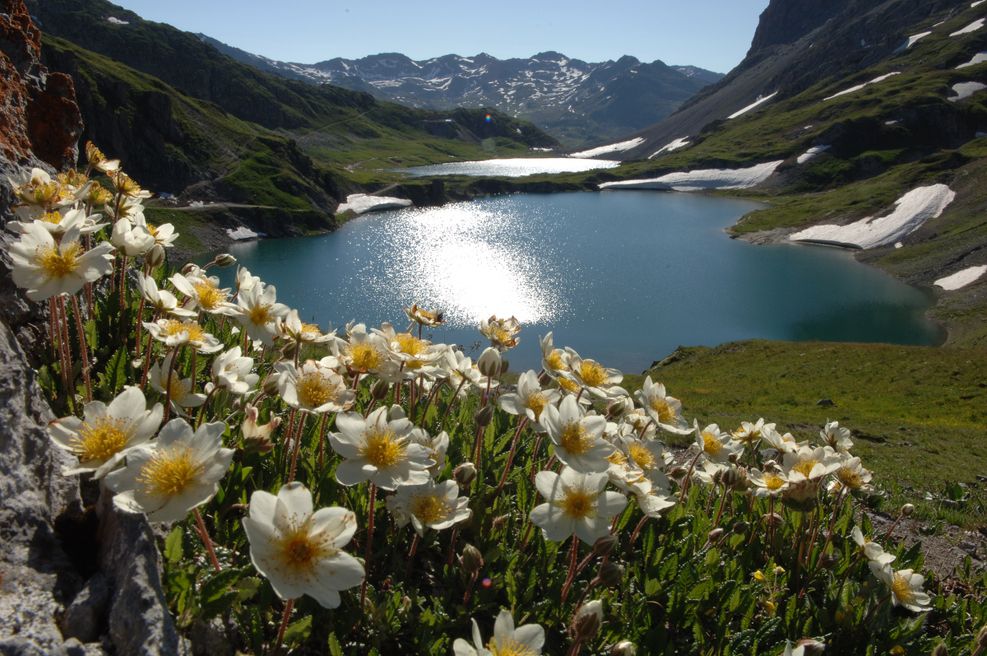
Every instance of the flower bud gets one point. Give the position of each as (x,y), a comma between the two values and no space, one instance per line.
(484,416)
(379,390)
(504,365)
(714,535)
(760,577)
(188,268)
(623,648)
(489,362)
(907,510)
(499,522)
(829,561)
(775,519)
(224,260)
(982,638)
(155,257)
(611,575)
(678,473)
(605,546)
(272,384)
(940,650)
(620,407)
(730,477)
(464,474)
(741,528)
(588,620)
(471,560)
(289,350)
(811,647)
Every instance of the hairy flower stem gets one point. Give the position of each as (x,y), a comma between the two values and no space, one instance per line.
(534,458)
(573,554)
(430,400)
(206,540)
(63,326)
(171,374)
(576,646)
(322,438)
(846,574)
(719,512)
(469,588)
(289,431)
(83,347)
(202,411)
(140,322)
(893,527)
(637,529)
(370,542)
(298,443)
(411,554)
(52,327)
(688,477)
(452,398)
(522,422)
(123,301)
(452,545)
(284,624)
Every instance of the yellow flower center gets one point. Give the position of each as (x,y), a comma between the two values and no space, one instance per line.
(536,403)
(568,385)
(261,314)
(297,551)
(617,458)
(170,471)
(593,374)
(173,327)
(500,336)
(429,508)
(364,356)
(315,390)
(58,264)
(902,589)
(178,388)
(850,477)
(711,445)
(747,436)
(575,439)
(382,448)
(72,178)
(98,195)
(125,184)
(805,467)
(579,503)
(773,482)
(42,192)
(510,648)
(642,456)
(102,439)
(665,410)
(555,361)
(52,217)
(310,331)
(210,296)
(414,365)
(410,344)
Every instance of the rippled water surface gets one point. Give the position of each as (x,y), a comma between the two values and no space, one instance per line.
(622,277)
(511,168)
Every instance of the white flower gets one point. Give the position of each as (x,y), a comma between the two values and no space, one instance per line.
(298,550)
(101,439)
(593,377)
(233,373)
(129,239)
(163,301)
(576,504)
(836,437)
(292,328)
(554,361)
(577,439)
(364,352)
(164,234)
(175,333)
(424,317)
(871,550)
(851,475)
(58,223)
(772,482)
(379,450)
(204,292)
(501,332)
(715,445)
(181,471)
(664,410)
(259,310)
(525,640)
(244,280)
(182,395)
(906,586)
(749,434)
(530,399)
(45,268)
(430,505)
(315,387)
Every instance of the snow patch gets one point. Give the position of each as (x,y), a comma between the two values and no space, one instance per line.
(754,105)
(812,152)
(978,58)
(876,80)
(895,122)
(961,278)
(612,148)
(972,27)
(669,147)
(242,233)
(116,21)
(360,203)
(911,41)
(974,4)
(702,179)
(911,211)
(965,90)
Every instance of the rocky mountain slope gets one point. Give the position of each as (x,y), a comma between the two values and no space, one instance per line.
(577,101)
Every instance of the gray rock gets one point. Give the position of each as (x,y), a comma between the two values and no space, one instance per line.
(826,402)
(217,637)
(138,618)
(83,617)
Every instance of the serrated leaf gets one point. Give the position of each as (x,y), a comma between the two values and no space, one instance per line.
(298,632)
(334,648)
(219,605)
(652,587)
(173,546)
(217,586)
(247,588)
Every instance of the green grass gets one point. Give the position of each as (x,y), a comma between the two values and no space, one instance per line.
(918,414)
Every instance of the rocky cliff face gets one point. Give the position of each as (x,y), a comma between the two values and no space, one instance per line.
(73,580)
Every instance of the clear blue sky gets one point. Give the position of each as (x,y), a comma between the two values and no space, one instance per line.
(712,34)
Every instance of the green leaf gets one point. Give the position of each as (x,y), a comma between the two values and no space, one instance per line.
(217,586)
(652,587)
(219,606)
(114,377)
(173,545)
(298,632)
(247,588)
(334,648)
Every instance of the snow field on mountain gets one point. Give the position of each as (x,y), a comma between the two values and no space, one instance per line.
(972,27)
(912,40)
(977,59)
(612,148)
(669,147)
(911,211)
(702,179)
(965,90)
(754,105)
(812,152)
(961,278)
(360,203)
(876,80)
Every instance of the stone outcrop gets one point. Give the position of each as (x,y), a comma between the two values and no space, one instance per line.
(73,580)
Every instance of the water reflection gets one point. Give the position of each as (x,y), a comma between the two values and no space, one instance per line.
(510,168)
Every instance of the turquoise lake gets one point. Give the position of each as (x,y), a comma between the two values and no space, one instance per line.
(623,277)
